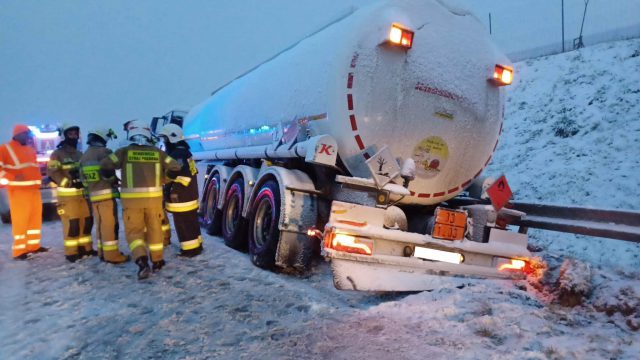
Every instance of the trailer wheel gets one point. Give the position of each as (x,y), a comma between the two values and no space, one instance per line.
(211,216)
(264,217)
(232,229)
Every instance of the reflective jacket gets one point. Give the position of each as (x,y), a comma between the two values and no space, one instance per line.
(183,192)
(64,169)
(143,170)
(19,165)
(98,187)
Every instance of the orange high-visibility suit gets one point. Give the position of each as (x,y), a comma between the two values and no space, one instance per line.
(20,171)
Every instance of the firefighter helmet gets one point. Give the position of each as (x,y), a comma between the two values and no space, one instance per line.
(138,128)
(173,132)
(104,134)
(65,128)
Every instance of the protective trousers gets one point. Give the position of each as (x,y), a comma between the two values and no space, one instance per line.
(166,229)
(76,224)
(188,229)
(105,214)
(140,215)
(26,218)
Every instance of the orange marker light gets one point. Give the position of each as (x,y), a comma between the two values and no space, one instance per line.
(514,265)
(502,75)
(401,36)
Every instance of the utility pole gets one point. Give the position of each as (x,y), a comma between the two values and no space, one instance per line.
(562,25)
(490,22)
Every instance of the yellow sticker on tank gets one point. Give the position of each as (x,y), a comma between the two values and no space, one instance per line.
(143,156)
(431,155)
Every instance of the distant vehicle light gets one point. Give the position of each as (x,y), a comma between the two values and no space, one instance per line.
(401,36)
(502,75)
(438,255)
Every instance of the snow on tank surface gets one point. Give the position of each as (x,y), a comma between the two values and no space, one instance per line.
(432,103)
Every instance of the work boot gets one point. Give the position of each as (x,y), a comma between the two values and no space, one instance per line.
(191,252)
(118,259)
(84,252)
(72,258)
(157,265)
(41,249)
(22,257)
(143,267)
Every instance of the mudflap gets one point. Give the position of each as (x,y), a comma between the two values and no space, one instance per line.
(295,250)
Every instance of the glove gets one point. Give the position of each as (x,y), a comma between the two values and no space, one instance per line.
(4,182)
(76,183)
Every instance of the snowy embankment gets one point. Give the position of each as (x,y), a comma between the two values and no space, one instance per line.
(570,137)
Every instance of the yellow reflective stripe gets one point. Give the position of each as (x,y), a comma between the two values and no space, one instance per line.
(99,245)
(166,227)
(129,175)
(158,174)
(103,194)
(114,158)
(53,164)
(103,197)
(20,247)
(191,244)
(109,245)
(33,242)
(182,207)
(168,159)
(84,240)
(25,183)
(124,195)
(69,191)
(33,232)
(64,182)
(20,237)
(70,166)
(91,167)
(156,247)
(70,243)
(135,244)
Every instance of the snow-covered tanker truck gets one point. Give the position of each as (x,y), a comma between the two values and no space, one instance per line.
(354,141)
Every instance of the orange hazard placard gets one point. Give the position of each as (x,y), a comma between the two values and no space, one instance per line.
(499,192)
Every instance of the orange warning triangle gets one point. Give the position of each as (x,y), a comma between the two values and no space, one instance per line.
(499,192)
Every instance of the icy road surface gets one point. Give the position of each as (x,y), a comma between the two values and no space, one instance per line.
(220,306)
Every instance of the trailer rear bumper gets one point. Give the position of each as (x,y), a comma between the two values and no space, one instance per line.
(395,273)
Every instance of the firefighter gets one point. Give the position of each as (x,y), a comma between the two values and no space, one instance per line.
(19,171)
(166,227)
(182,200)
(143,169)
(64,169)
(102,192)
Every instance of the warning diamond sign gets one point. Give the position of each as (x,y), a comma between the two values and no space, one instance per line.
(499,193)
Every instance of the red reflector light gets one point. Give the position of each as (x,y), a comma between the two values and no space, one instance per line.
(348,243)
(401,36)
(502,75)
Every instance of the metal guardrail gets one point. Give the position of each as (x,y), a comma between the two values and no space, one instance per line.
(613,224)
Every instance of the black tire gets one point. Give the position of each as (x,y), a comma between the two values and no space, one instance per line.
(264,217)
(233,230)
(5,217)
(211,218)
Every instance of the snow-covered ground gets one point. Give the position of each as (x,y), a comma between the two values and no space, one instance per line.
(570,137)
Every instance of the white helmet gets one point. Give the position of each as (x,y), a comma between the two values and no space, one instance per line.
(104,134)
(138,128)
(173,132)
